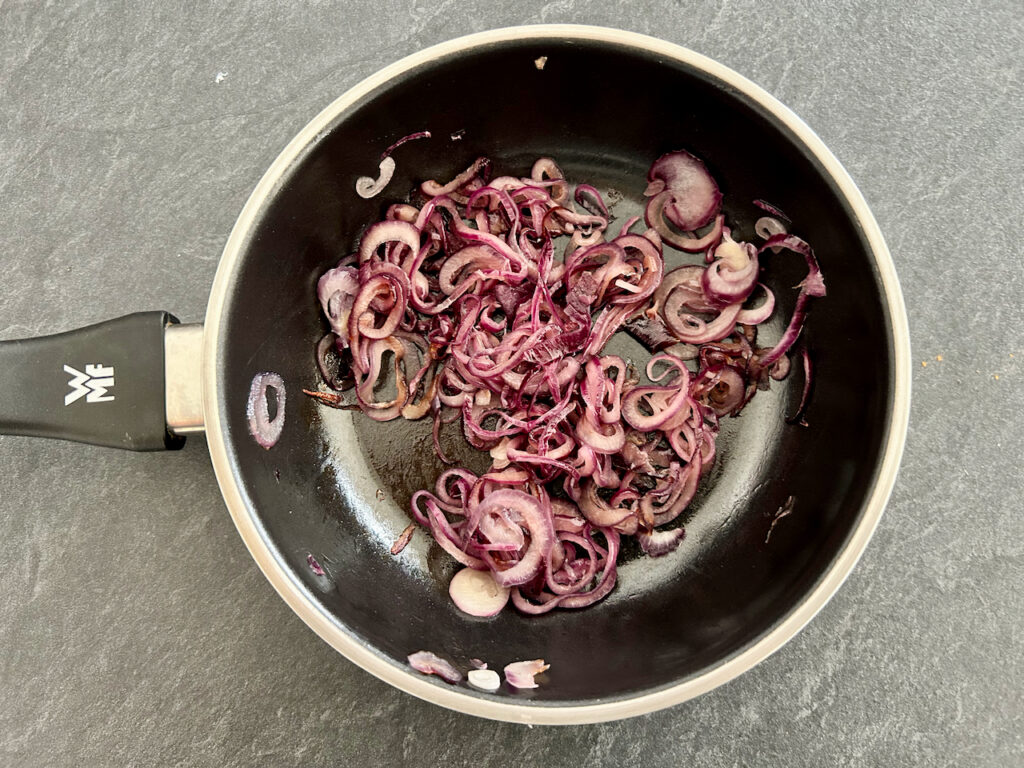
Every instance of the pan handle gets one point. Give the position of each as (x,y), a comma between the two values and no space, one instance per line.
(133,382)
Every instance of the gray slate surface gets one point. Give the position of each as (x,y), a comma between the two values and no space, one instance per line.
(134,628)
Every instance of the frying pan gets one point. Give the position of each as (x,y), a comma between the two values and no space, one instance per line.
(336,487)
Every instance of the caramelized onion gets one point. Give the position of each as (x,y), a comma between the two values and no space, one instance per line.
(460,307)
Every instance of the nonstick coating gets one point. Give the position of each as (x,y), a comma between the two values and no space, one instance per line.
(337,485)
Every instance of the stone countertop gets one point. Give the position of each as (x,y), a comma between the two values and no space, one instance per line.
(129,141)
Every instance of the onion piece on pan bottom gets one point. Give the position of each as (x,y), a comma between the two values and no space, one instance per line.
(266,430)
(476,593)
(660,543)
(484,679)
(431,664)
(520,674)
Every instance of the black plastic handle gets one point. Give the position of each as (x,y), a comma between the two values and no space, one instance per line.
(102,384)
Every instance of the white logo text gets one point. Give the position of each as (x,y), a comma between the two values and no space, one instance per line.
(92,384)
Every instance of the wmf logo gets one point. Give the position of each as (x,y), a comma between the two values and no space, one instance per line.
(93,384)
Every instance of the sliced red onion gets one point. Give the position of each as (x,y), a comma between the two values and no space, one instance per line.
(534,520)
(692,329)
(367,380)
(665,402)
(590,198)
(520,674)
(768,226)
(759,313)
(597,511)
(777,212)
(659,543)
(433,189)
(337,290)
(367,187)
(606,583)
(383,232)
(476,593)
(403,140)
(655,218)
(733,274)
(721,388)
(603,438)
(686,281)
(431,664)
(546,601)
(502,531)
(314,566)
(444,535)
(812,285)
(469,305)
(265,430)
(546,168)
(671,495)
(693,196)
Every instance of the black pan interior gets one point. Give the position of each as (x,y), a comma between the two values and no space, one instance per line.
(337,485)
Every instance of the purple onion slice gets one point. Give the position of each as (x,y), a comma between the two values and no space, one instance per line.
(659,543)
(520,674)
(266,430)
(692,196)
(431,664)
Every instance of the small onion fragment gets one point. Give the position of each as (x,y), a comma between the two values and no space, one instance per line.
(403,140)
(661,542)
(774,211)
(484,679)
(476,593)
(768,226)
(367,187)
(403,539)
(265,430)
(431,664)
(520,674)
